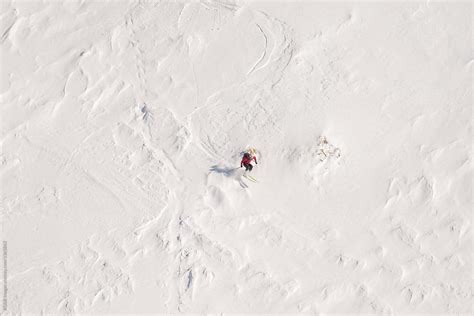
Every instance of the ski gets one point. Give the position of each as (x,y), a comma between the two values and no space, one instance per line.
(250,178)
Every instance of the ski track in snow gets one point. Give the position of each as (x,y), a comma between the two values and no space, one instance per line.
(122,132)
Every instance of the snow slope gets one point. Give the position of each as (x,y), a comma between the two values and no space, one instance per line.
(122,128)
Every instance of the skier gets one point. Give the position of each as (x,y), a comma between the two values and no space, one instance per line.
(247,159)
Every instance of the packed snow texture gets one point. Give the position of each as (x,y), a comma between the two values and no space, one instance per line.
(122,129)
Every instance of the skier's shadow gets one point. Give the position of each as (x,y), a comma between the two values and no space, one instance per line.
(228,172)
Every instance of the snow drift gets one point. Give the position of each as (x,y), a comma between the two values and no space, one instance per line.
(123,125)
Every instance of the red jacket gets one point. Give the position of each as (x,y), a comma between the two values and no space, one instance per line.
(246,160)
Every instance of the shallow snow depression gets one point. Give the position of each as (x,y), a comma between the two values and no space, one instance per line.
(122,129)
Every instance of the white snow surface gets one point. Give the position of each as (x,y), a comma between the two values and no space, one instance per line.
(122,129)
